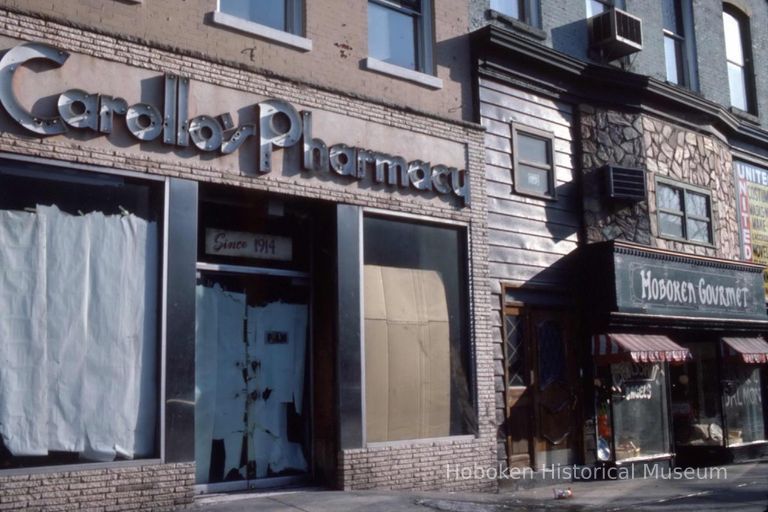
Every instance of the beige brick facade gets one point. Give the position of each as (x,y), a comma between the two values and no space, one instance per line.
(147,487)
(418,465)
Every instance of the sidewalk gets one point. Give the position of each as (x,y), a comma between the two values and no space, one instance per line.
(745,488)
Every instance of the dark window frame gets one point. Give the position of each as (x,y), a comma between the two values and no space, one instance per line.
(680,35)
(50,172)
(685,189)
(293,22)
(464,316)
(551,168)
(423,14)
(520,375)
(750,87)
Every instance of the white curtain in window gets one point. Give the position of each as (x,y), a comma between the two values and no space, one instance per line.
(229,422)
(92,340)
(23,347)
(281,371)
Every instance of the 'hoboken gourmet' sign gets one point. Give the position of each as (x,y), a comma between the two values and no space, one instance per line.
(279,125)
(687,287)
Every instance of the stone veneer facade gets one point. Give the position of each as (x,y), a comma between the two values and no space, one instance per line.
(664,150)
(158,486)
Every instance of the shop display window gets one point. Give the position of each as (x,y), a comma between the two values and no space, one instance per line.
(743,403)
(696,405)
(417,364)
(78,316)
(632,421)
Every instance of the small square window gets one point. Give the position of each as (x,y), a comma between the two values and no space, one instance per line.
(534,167)
(684,213)
(400,33)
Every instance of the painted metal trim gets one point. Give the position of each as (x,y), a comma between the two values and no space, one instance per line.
(244,269)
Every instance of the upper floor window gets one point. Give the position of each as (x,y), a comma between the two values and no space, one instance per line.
(282,15)
(400,33)
(527,11)
(739,59)
(595,7)
(684,212)
(674,41)
(534,163)
(279,21)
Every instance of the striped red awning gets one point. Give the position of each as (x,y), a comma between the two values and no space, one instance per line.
(638,348)
(749,350)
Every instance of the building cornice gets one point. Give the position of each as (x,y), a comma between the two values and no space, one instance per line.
(518,60)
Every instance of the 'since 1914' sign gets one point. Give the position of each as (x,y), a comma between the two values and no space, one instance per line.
(279,125)
(687,288)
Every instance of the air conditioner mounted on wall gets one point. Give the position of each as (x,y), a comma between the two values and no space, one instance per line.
(615,33)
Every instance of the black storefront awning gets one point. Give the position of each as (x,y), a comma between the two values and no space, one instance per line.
(747,350)
(637,348)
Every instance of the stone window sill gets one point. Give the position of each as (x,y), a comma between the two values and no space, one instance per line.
(386,68)
(262,31)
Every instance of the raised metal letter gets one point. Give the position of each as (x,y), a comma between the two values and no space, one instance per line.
(460,184)
(440,182)
(365,160)
(315,150)
(419,175)
(182,123)
(10,62)
(237,138)
(342,159)
(169,106)
(279,125)
(108,107)
(79,109)
(206,133)
(392,168)
(144,121)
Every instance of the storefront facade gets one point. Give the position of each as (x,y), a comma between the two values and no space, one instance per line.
(245,281)
(678,351)
(599,184)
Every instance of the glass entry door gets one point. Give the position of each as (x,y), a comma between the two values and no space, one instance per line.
(252,410)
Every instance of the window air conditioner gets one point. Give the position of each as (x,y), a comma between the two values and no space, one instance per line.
(615,33)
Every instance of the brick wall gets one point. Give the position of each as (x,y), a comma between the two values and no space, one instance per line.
(338,31)
(154,487)
(417,466)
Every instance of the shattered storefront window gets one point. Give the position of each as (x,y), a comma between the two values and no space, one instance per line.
(78,318)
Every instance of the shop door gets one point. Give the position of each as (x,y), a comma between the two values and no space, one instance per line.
(542,388)
(252,411)
(555,388)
